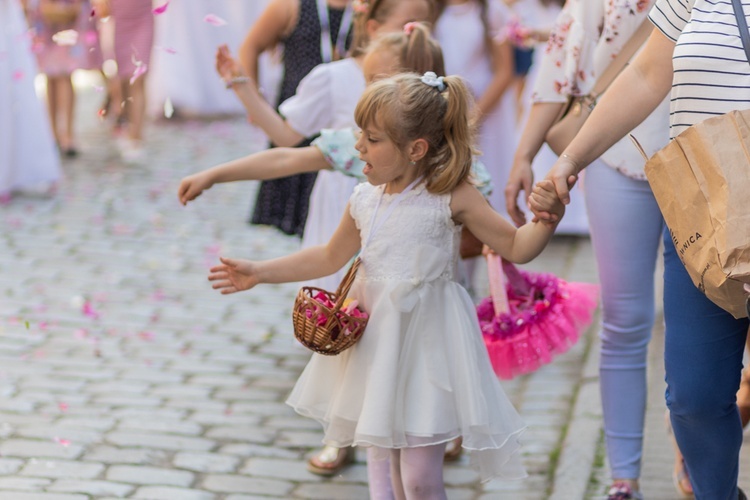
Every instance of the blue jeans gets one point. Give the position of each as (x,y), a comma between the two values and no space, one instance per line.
(703,358)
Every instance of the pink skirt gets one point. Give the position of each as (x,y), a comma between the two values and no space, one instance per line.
(134,34)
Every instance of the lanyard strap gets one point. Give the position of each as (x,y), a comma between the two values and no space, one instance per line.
(739,14)
(326,45)
(376,223)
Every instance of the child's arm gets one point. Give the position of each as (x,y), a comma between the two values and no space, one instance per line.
(502,62)
(235,275)
(274,24)
(258,109)
(267,164)
(519,245)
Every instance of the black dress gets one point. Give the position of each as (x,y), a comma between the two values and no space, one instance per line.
(284,202)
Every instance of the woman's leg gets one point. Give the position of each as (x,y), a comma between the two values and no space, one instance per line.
(419,472)
(626,228)
(703,358)
(52,106)
(66,105)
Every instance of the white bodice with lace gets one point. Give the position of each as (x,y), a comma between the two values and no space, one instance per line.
(421,223)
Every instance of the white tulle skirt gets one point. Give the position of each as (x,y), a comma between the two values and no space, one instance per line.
(419,376)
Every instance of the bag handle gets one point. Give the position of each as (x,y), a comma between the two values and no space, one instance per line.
(499,270)
(739,15)
(622,58)
(343,290)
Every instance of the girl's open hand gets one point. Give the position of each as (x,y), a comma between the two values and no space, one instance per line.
(545,203)
(234,275)
(227,66)
(192,186)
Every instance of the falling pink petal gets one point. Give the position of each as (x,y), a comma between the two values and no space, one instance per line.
(140,69)
(147,336)
(158,295)
(161,9)
(65,37)
(62,442)
(63,407)
(101,113)
(169,50)
(18,75)
(214,20)
(43,325)
(88,310)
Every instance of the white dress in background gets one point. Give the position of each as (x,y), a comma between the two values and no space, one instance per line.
(326,98)
(420,375)
(188,76)
(533,14)
(461,35)
(28,156)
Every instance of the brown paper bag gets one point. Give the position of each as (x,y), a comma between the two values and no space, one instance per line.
(701,181)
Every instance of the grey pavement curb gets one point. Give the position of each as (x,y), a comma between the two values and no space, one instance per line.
(578,450)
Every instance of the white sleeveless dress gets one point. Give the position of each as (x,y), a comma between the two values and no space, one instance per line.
(420,375)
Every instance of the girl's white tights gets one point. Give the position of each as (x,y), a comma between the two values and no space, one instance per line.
(417,473)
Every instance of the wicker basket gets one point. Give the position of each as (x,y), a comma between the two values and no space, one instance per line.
(339,330)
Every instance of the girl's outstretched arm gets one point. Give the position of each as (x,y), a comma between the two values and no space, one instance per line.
(519,245)
(260,112)
(235,275)
(267,164)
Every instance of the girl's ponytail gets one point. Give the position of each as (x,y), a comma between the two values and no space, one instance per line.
(455,155)
(421,52)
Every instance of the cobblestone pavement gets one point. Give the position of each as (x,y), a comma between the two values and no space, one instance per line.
(123,375)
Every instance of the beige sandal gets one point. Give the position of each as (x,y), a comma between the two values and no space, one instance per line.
(330,460)
(453,450)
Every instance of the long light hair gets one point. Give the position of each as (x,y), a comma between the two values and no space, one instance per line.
(408,109)
(414,47)
(379,10)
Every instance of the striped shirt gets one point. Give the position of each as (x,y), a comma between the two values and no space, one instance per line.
(711,70)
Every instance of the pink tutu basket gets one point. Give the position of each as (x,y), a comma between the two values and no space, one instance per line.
(531,317)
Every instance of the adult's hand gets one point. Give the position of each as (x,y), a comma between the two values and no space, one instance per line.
(521,178)
(564,175)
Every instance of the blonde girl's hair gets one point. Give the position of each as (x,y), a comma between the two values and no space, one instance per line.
(379,10)
(416,49)
(407,109)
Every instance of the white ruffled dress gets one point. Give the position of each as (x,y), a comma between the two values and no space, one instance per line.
(420,375)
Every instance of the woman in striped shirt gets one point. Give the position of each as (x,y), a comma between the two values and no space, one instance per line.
(696,54)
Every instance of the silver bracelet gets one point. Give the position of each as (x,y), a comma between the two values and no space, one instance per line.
(236,79)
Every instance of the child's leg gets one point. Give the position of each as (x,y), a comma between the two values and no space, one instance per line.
(52,106)
(379,473)
(398,487)
(66,103)
(137,110)
(421,472)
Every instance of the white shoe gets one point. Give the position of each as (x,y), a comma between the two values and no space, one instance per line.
(132,151)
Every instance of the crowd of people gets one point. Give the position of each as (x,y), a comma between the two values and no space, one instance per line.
(415,119)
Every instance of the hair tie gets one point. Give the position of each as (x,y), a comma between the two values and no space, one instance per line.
(409,27)
(431,79)
(361,6)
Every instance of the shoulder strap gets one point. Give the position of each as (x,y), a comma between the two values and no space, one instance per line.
(739,14)
(622,58)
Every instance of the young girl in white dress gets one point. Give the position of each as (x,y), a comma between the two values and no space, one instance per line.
(28,155)
(325,98)
(420,375)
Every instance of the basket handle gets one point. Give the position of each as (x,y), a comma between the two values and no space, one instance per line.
(497,284)
(346,284)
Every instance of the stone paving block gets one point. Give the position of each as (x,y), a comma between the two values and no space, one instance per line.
(128,400)
(250,434)
(154,413)
(254,450)
(51,433)
(296,422)
(292,470)
(181,390)
(331,491)
(171,493)
(94,488)
(34,448)
(225,419)
(159,441)
(218,380)
(17,495)
(61,469)
(97,424)
(139,474)
(206,462)
(23,483)
(10,466)
(263,408)
(224,483)
(161,425)
(300,439)
(246,394)
(118,387)
(15,419)
(113,455)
